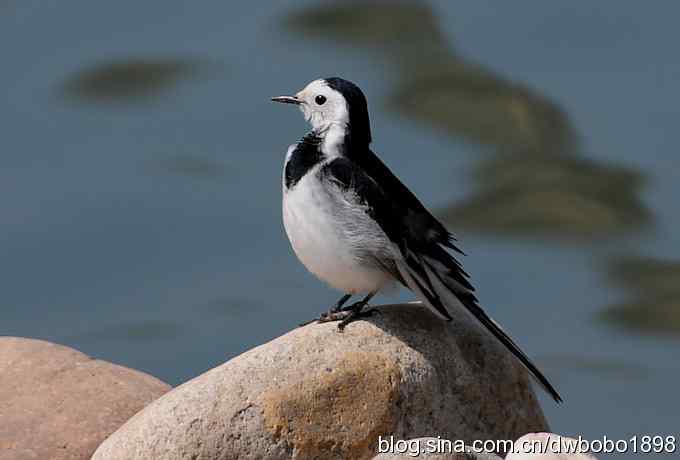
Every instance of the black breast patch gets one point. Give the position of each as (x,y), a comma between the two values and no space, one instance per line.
(305,156)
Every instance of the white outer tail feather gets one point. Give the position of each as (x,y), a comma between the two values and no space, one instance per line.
(448,299)
(408,275)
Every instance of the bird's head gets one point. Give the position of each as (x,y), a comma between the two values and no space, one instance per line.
(333,101)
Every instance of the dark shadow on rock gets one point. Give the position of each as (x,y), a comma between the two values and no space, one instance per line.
(130,80)
(531,137)
(477,346)
(654,285)
(390,318)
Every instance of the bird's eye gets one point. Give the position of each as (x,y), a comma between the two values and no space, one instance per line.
(320,99)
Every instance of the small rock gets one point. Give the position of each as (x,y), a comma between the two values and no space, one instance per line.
(315,393)
(547,446)
(57,403)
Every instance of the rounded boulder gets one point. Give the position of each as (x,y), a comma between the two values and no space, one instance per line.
(317,393)
(58,403)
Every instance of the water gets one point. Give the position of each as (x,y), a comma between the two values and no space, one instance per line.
(141,159)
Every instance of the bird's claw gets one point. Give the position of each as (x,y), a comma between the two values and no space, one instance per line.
(326,317)
(345,316)
(355,315)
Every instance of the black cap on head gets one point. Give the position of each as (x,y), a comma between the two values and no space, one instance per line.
(360,125)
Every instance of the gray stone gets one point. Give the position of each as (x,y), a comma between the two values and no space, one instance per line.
(316,393)
(57,403)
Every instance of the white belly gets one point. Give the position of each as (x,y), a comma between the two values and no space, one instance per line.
(325,249)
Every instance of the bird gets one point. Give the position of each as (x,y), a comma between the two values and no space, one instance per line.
(357,227)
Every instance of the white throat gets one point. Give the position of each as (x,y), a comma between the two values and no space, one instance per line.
(333,136)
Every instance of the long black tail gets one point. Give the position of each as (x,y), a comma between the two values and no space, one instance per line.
(439,281)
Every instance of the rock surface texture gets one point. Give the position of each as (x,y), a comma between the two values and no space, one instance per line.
(316,393)
(57,403)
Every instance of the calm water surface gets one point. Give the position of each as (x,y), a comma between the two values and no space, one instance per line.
(141,160)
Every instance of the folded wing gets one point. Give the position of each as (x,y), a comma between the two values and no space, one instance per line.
(426,268)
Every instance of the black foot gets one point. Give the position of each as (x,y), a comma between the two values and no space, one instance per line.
(335,309)
(346,314)
(353,316)
(326,317)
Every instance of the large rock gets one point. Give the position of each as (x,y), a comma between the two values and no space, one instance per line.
(319,393)
(57,403)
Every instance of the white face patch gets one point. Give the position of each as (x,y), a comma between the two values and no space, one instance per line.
(322,106)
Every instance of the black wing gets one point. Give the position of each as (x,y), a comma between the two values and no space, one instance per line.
(433,274)
(403,226)
(421,217)
(383,210)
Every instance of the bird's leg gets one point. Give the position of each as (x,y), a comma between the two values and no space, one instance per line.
(337,308)
(356,311)
(338,305)
(360,304)
(346,314)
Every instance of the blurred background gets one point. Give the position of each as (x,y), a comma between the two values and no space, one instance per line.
(141,161)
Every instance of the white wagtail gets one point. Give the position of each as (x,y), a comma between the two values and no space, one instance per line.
(354,225)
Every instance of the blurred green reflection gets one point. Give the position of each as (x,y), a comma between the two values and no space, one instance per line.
(601,366)
(128,80)
(535,180)
(139,331)
(538,194)
(187,165)
(434,84)
(655,287)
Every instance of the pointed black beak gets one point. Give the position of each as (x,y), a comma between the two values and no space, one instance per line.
(287,100)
